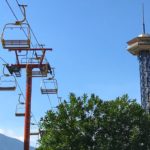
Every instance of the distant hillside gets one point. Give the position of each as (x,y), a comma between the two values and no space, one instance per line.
(7,143)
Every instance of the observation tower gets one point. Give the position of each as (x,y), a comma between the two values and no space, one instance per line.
(140,47)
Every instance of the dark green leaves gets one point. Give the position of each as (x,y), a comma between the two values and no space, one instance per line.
(92,124)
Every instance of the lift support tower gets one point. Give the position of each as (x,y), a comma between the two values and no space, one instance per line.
(30,73)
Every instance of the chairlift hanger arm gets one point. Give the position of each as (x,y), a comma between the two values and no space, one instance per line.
(17,59)
(8,87)
(42,58)
(24,15)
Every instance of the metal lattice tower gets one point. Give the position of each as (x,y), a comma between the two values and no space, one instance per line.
(140,47)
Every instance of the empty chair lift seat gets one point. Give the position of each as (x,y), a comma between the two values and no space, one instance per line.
(11,33)
(7,83)
(49,86)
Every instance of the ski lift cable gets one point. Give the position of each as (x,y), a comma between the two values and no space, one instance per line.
(3,60)
(34,52)
(29,27)
(31,44)
(26,35)
(34,119)
(11,9)
(21,26)
(19,87)
(14,77)
(40,45)
(28,24)
(14,14)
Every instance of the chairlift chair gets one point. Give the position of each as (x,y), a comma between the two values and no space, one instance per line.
(34,129)
(20,110)
(49,86)
(9,40)
(40,72)
(35,133)
(14,69)
(7,83)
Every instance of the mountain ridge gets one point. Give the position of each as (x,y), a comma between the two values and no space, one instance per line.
(9,143)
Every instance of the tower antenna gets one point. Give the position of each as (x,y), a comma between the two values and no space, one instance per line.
(143,18)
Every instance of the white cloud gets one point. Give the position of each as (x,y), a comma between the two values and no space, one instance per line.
(11,133)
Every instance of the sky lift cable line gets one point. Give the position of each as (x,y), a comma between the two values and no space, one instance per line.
(34,52)
(34,37)
(3,60)
(33,116)
(14,15)
(31,42)
(25,33)
(20,89)
(28,64)
(27,99)
(14,77)
(11,9)
(29,25)
(40,45)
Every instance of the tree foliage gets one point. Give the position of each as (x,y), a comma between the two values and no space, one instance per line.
(88,123)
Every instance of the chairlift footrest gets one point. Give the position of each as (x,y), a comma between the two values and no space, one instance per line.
(7,88)
(34,133)
(49,91)
(19,114)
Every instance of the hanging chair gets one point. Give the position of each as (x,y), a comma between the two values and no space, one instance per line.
(7,83)
(10,34)
(20,108)
(49,86)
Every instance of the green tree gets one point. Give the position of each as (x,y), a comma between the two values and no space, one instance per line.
(92,124)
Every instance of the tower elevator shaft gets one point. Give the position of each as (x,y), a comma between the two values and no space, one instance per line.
(144,64)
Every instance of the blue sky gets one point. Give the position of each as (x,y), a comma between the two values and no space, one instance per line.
(88,38)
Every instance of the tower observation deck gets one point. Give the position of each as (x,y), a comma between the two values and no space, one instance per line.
(140,47)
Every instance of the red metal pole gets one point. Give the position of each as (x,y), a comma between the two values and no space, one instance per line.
(28,107)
